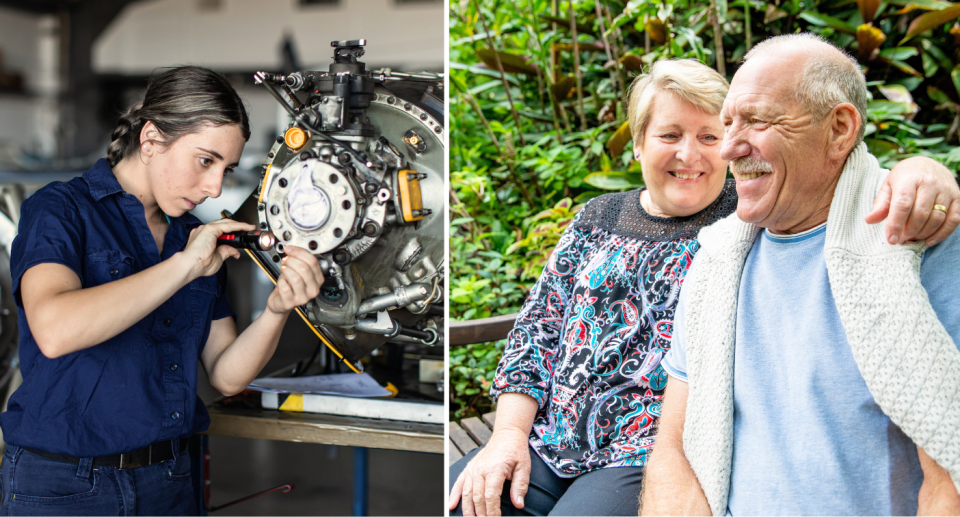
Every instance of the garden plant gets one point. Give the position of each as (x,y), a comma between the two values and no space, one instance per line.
(538,122)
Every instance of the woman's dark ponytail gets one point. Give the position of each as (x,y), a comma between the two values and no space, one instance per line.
(179,101)
(125,135)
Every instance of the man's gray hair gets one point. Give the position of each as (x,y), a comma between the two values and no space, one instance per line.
(827,81)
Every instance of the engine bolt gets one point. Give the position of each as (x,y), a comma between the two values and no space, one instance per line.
(371,229)
(341,257)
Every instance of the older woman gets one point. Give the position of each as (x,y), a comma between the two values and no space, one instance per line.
(580,381)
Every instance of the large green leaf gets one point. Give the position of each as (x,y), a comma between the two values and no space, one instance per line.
(930,66)
(564,23)
(898,53)
(955,75)
(937,96)
(880,147)
(896,93)
(621,137)
(512,63)
(614,180)
(480,70)
(904,67)
(721,10)
(886,108)
(927,21)
(928,5)
(825,20)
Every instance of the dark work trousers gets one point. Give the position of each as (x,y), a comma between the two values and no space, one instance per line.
(612,491)
(34,485)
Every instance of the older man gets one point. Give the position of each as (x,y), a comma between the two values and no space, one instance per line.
(814,366)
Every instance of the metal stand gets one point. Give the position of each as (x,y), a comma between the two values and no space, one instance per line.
(199,448)
(360,465)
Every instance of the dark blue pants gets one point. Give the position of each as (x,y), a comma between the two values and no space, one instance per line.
(34,485)
(612,491)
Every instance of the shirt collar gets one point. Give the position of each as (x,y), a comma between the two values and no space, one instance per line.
(101,180)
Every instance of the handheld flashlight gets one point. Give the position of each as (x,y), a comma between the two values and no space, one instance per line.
(255,240)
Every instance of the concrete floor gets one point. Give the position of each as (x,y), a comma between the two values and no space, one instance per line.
(400,483)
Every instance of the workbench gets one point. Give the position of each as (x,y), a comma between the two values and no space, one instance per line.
(328,429)
(241,416)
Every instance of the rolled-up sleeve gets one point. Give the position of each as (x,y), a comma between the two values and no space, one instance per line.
(532,346)
(50,231)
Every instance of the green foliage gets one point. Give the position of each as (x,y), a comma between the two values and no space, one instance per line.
(525,157)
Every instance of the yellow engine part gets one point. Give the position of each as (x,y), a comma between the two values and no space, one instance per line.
(410,197)
(295,138)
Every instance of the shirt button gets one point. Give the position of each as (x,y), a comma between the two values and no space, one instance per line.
(173,367)
(175,415)
(167,322)
(114,272)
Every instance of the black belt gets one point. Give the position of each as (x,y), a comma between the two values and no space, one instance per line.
(160,451)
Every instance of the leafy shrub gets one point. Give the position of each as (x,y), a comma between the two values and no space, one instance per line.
(532,144)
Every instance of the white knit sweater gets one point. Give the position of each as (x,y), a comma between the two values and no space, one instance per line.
(909,362)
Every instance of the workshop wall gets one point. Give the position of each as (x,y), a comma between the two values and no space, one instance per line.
(28,58)
(241,34)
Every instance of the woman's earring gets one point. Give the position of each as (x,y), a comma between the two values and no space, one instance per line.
(146,148)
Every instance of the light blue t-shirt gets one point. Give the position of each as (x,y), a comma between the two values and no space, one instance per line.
(808,438)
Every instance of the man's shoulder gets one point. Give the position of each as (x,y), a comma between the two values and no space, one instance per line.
(727,231)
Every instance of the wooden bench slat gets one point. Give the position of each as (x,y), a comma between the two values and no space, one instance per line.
(461,439)
(480,331)
(490,419)
(453,454)
(476,429)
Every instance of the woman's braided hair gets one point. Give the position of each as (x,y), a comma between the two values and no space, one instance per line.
(179,101)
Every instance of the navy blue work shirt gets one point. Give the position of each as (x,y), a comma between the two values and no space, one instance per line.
(138,387)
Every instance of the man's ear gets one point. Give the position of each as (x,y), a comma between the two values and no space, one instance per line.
(844,125)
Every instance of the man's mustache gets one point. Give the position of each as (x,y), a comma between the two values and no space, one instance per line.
(750,165)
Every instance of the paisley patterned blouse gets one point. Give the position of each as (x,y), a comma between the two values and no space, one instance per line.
(588,341)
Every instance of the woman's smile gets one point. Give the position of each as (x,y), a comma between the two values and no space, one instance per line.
(686,175)
(680,158)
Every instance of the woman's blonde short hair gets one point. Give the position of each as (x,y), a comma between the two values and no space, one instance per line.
(688,79)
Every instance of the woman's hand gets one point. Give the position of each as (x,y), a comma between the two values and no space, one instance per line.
(506,456)
(299,282)
(205,255)
(909,194)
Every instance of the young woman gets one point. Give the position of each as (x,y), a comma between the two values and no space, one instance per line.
(120,291)
(580,381)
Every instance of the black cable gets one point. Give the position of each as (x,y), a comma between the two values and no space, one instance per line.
(316,352)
